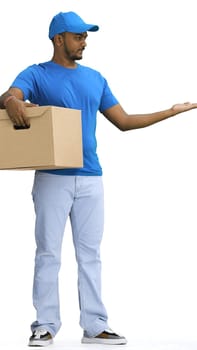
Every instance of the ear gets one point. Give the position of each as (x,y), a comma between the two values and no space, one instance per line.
(58,40)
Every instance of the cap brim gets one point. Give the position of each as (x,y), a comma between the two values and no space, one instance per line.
(93,28)
(83,28)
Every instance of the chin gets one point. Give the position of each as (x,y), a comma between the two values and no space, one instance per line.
(76,58)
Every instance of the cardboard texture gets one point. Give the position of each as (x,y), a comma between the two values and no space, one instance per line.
(53,141)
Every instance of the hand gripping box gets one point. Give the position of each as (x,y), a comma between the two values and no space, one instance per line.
(54,140)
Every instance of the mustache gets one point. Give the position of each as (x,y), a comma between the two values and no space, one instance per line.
(82,49)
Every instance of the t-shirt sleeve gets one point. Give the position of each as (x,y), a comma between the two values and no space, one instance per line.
(25,81)
(108,99)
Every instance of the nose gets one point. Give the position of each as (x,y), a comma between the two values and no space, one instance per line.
(84,44)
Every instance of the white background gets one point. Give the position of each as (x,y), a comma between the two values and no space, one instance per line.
(147,52)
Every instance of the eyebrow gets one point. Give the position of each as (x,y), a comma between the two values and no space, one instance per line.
(85,34)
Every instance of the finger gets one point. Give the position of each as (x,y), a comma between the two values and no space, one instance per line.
(24,121)
(27,104)
(27,122)
(190,105)
(20,121)
(13,121)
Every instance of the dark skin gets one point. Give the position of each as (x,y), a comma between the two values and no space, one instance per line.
(68,48)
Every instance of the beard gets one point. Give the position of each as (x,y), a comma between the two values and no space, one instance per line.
(76,57)
(73,56)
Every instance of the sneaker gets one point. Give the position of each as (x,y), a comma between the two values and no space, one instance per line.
(40,337)
(106,337)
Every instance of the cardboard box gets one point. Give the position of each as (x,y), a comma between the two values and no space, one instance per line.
(53,141)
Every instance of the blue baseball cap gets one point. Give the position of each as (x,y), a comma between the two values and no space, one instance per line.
(69,22)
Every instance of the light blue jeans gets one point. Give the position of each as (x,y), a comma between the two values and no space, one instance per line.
(57,197)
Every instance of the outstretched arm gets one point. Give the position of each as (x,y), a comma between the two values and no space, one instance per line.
(117,116)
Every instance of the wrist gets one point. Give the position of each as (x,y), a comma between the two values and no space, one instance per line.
(7,99)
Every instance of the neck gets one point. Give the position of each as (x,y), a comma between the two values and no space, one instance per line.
(64,62)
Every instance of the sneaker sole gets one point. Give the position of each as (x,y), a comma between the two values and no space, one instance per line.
(40,342)
(86,340)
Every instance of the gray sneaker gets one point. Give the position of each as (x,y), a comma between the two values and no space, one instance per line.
(106,337)
(40,337)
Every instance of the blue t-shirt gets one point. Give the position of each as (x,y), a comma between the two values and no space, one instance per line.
(80,88)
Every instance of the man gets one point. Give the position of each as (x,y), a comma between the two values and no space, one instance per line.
(77,193)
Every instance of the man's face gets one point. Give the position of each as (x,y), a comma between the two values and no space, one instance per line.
(74,44)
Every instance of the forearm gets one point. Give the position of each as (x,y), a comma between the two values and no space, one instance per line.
(124,121)
(143,120)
